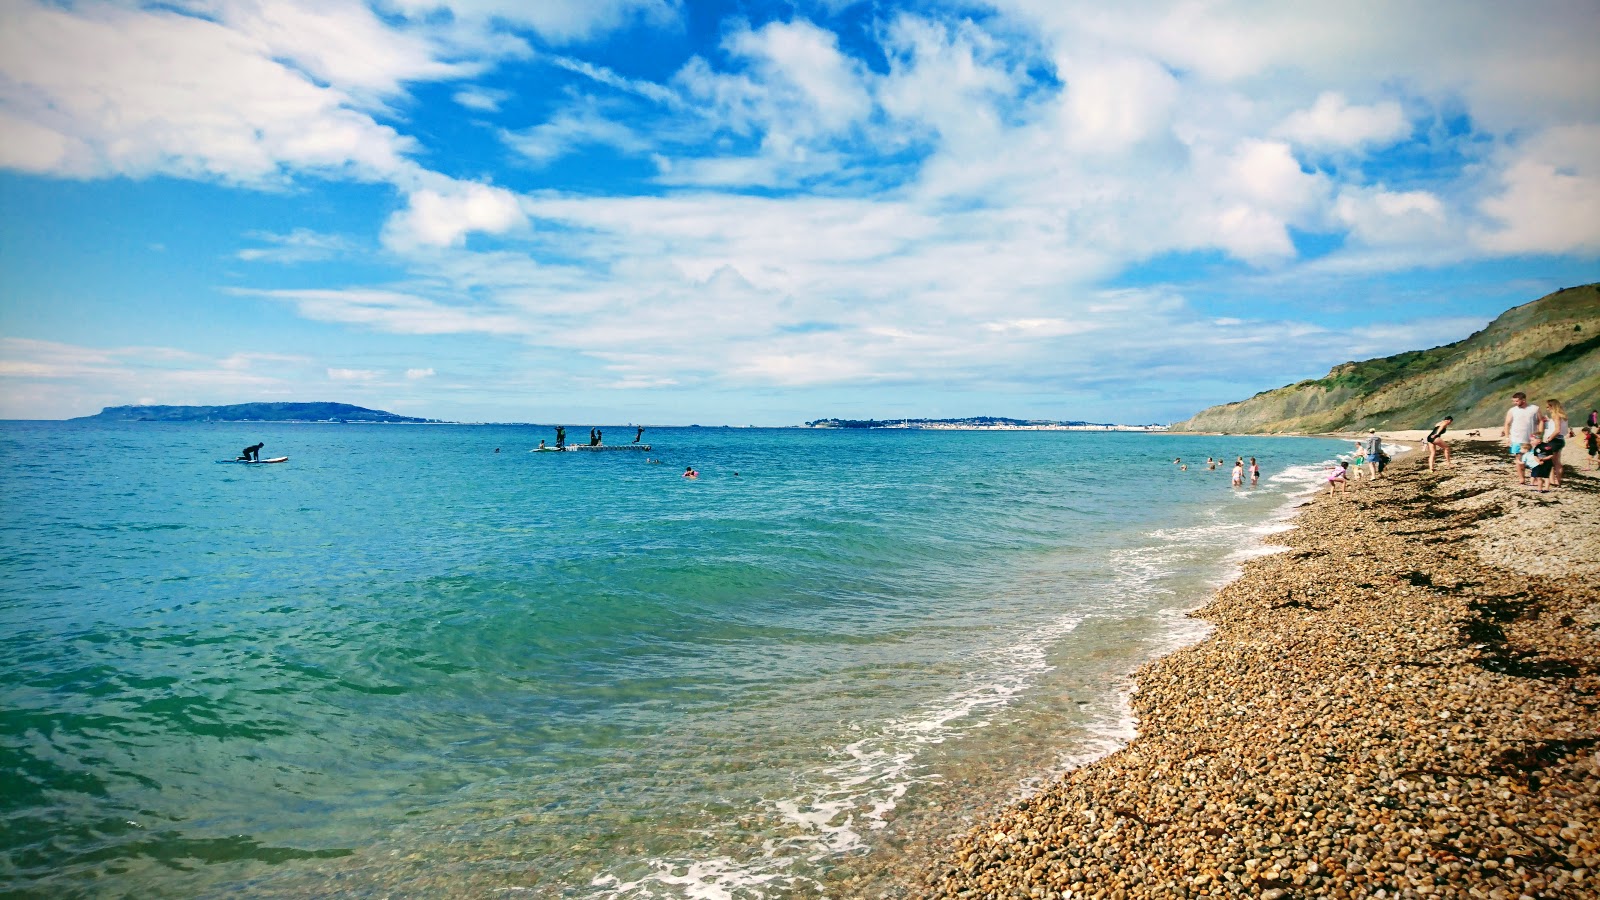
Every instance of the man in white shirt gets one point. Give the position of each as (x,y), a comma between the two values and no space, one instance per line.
(1522,419)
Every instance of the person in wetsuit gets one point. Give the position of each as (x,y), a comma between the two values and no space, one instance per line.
(252,453)
(639,434)
(561,437)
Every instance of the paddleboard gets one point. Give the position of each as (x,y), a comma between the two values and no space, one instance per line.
(262,462)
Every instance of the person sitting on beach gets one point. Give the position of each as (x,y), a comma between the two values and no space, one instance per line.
(1591,443)
(252,453)
(1336,475)
(1238,473)
(1436,442)
(1255,472)
(689,472)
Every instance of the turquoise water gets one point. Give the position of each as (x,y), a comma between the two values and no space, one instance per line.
(402,662)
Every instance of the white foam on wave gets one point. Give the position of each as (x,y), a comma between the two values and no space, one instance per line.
(842,801)
(1143,569)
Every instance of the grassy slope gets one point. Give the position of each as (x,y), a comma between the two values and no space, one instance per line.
(1548,348)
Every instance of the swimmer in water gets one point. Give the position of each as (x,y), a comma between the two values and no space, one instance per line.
(689,472)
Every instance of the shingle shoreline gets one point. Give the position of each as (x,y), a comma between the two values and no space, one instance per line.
(1380,712)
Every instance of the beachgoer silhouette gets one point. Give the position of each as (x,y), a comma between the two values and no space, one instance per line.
(561,436)
(252,453)
(639,435)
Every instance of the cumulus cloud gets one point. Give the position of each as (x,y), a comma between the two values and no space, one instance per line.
(419,374)
(445,212)
(102,89)
(1550,201)
(1331,123)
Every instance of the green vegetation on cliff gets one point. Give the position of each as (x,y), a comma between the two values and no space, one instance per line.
(1547,348)
(250,412)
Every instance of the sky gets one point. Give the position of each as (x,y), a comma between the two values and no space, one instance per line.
(760,213)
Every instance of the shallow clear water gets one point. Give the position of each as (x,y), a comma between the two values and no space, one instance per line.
(403,662)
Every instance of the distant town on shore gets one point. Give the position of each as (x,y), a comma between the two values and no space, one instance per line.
(980,423)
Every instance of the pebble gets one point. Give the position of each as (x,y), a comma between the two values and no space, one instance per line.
(1402,704)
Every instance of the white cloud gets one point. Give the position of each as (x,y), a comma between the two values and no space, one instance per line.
(798,94)
(49,379)
(555,20)
(1377,217)
(947,78)
(1551,197)
(354,375)
(1331,123)
(575,129)
(445,212)
(481,99)
(299,245)
(1110,105)
(101,90)
(391,311)
(419,374)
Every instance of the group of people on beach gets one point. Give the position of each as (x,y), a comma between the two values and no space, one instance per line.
(1213,462)
(1534,436)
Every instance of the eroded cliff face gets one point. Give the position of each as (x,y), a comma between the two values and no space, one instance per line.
(1547,348)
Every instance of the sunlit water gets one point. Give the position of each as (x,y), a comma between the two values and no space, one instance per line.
(404,663)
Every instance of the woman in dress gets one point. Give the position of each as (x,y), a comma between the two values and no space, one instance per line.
(1436,442)
(1556,429)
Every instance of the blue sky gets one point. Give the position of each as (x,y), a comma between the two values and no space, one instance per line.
(761,213)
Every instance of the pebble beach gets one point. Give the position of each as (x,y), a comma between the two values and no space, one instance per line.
(1401,703)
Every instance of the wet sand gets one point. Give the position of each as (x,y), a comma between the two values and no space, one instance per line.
(1402,704)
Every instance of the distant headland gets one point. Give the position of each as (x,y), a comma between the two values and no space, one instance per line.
(254,412)
(980,423)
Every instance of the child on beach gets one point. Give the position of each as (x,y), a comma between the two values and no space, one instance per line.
(1336,480)
(1591,443)
(1238,473)
(1539,461)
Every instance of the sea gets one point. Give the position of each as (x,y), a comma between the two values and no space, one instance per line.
(421,660)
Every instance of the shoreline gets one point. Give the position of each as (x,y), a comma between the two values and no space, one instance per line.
(1403,704)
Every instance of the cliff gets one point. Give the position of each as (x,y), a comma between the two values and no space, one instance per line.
(1547,348)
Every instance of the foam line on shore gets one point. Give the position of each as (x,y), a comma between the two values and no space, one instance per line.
(1378,713)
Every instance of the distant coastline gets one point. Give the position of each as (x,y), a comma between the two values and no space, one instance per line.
(978,423)
(308,413)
